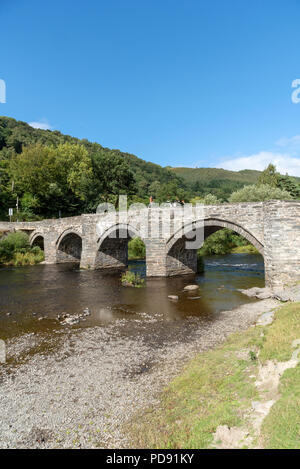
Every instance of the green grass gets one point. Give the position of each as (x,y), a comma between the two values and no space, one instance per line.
(27,258)
(281,428)
(215,388)
(248,249)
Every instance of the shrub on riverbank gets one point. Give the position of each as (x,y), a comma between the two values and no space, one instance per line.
(31,257)
(248,249)
(136,249)
(222,242)
(218,388)
(15,250)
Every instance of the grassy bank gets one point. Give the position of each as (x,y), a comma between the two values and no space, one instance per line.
(248,249)
(218,387)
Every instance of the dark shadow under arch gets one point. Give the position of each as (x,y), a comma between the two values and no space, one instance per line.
(38,240)
(112,249)
(181,260)
(211,225)
(69,247)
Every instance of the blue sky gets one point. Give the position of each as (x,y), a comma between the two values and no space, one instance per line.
(180,83)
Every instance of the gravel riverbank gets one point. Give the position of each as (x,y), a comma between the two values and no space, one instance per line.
(81,392)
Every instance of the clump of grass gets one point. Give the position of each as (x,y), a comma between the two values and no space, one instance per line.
(252,355)
(130,279)
(28,258)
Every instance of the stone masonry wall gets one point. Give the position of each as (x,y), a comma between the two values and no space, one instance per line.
(273,227)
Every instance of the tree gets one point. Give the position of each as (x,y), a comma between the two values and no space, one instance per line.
(289,184)
(52,179)
(259,193)
(208,199)
(154,188)
(171,191)
(269,176)
(111,177)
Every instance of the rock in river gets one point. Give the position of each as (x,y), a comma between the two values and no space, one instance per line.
(191,287)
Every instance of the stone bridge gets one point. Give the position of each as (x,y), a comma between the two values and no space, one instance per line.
(99,241)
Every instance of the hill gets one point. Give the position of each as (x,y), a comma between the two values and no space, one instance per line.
(17,134)
(192,175)
(217,181)
(112,172)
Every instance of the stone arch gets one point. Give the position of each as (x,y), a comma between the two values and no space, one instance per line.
(119,227)
(211,225)
(112,246)
(69,246)
(181,260)
(37,239)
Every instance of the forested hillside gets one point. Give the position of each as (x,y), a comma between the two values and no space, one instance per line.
(51,174)
(193,175)
(216,181)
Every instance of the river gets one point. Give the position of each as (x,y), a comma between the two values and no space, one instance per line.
(28,294)
(79,385)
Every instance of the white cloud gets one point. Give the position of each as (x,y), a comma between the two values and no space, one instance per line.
(284,162)
(43,124)
(289,142)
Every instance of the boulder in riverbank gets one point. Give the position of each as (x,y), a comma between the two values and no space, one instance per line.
(285,294)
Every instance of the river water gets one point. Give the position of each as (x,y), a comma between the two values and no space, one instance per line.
(28,294)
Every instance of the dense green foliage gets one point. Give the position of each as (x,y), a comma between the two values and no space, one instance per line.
(15,249)
(216,181)
(259,193)
(136,249)
(222,183)
(130,279)
(222,242)
(208,199)
(52,173)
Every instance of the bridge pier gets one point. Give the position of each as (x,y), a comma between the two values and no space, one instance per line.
(178,261)
(156,258)
(282,243)
(50,247)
